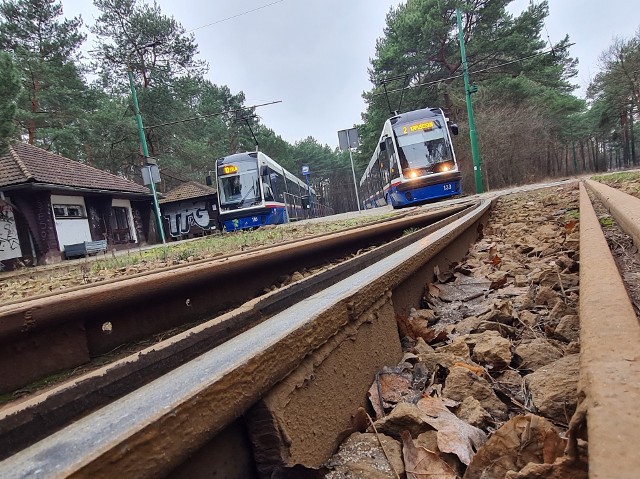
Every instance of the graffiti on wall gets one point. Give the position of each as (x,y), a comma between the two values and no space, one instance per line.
(138,223)
(182,216)
(9,242)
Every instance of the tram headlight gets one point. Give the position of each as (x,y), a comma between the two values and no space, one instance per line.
(443,167)
(413,174)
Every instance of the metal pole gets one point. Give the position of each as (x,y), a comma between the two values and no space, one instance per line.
(475,153)
(306,177)
(353,171)
(145,154)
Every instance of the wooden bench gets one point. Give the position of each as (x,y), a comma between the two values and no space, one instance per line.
(84,249)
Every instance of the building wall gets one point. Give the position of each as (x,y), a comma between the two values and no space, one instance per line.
(144,222)
(9,240)
(190,218)
(35,208)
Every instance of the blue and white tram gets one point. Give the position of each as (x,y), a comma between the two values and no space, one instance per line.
(414,161)
(254,190)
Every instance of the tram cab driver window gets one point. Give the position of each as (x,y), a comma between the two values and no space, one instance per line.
(232,187)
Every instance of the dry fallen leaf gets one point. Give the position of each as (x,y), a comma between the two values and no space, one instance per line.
(394,387)
(454,435)
(477,370)
(569,226)
(420,463)
(521,440)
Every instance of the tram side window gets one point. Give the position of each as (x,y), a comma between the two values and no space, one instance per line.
(277,184)
(393,159)
(383,163)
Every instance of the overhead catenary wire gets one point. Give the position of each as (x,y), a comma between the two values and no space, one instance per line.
(453,77)
(235,16)
(201,117)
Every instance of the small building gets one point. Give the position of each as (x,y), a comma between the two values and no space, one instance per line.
(48,201)
(190,210)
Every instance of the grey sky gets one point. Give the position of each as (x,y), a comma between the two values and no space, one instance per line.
(314,54)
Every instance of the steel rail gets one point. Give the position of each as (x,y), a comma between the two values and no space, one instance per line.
(609,341)
(70,325)
(29,421)
(159,425)
(624,208)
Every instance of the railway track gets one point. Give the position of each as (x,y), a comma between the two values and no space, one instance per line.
(172,298)
(218,381)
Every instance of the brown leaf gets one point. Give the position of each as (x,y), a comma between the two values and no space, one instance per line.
(569,226)
(477,370)
(454,435)
(434,291)
(394,387)
(421,463)
(520,441)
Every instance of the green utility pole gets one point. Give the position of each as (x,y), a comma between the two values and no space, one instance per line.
(475,153)
(145,153)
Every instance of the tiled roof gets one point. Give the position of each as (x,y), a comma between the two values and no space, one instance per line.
(25,163)
(187,191)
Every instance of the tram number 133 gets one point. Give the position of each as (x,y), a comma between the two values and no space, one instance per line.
(447,186)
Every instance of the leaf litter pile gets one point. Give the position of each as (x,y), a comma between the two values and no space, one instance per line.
(488,383)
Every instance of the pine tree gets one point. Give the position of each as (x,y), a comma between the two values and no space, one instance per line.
(46,52)
(9,90)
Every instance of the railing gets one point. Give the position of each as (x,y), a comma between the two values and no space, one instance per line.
(297,211)
(318,210)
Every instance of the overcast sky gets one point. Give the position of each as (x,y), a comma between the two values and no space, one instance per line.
(313,55)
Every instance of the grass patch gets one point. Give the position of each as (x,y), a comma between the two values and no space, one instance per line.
(606,222)
(573,215)
(226,243)
(621,177)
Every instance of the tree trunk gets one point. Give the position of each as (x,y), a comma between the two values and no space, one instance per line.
(35,107)
(632,138)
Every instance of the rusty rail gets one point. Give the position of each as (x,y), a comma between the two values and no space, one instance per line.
(610,341)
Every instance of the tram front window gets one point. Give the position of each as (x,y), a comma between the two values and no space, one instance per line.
(423,149)
(239,190)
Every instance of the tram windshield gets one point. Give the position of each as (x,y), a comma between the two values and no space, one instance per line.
(424,148)
(240,189)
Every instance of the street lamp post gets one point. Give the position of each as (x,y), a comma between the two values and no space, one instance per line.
(145,154)
(475,153)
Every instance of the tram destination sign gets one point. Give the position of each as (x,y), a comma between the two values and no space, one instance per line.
(422,126)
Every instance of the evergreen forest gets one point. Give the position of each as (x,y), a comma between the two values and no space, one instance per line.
(531,124)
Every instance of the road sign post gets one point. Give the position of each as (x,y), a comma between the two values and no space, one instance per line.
(349,139)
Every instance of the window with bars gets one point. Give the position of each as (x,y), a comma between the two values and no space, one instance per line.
(69,211)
